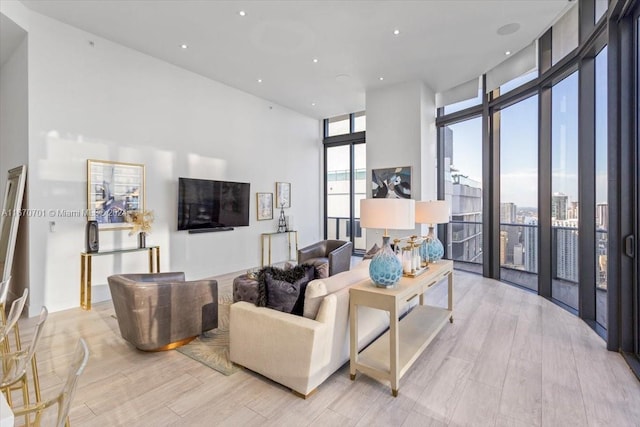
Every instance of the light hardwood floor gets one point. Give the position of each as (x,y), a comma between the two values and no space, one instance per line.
(510,358)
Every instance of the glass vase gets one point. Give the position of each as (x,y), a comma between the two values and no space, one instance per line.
(385,269)
(142,240)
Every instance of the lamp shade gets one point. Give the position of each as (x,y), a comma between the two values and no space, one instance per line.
(432,212)
(394,214)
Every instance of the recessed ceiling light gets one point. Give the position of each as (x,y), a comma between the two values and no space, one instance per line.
(381,78)
(242,13)
(259,80)
(315,60)
(313,104)
(508,52)
(396,32)
(184,46)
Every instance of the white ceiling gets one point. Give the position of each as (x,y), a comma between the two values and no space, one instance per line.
(441,42)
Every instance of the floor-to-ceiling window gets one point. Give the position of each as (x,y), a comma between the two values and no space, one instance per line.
(345,178)
(564,186)
(601,182)
(463,188)
(519,193)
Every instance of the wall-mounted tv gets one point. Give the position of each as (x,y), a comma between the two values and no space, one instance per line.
(204,204)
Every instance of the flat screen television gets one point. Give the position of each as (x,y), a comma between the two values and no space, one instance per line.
(205,204)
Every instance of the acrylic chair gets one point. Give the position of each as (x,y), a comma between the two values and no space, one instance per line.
(14,364)
(65,397)
(5,327)
(12,319)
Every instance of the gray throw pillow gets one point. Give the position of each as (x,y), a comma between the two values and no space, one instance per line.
(281,295)
(322,271)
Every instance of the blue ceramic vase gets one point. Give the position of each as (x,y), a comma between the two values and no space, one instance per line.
(385,269)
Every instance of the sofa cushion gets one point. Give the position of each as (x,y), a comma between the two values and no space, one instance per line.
(319,288)
(282,295)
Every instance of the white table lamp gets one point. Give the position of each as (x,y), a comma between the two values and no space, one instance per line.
(396,214)
(432,212)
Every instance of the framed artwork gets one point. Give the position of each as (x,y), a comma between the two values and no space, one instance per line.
(113,189)
(283,195)
(391,183)
(265,206)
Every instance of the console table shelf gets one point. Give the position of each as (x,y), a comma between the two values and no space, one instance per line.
(86,264)
(391,355)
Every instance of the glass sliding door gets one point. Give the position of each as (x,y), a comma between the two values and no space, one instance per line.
(564,187)
(519,193)
(346,172)
(601,199)
(462,171)
(338,191)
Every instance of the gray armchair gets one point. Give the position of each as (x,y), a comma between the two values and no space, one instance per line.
(161,311)
(335,252)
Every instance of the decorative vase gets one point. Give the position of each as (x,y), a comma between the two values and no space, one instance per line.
(92,240)
(433,249)
(385,269)
(142,240)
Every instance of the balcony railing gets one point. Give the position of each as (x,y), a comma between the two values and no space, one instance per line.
(338,228)
(519,251)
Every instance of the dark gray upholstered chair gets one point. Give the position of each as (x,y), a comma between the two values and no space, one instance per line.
(161,311)
(335,252)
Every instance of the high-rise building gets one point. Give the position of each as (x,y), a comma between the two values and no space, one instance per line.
(518,255)
(602,216)
(566,234)
(530,239)
(466,206)
(559,205)
(508,213)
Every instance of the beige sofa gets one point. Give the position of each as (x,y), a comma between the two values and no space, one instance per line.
(302,352)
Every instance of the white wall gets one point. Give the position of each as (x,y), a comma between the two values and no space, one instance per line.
(108,102)
(401,132)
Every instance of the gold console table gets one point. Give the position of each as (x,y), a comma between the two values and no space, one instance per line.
(85,269)
(268,236)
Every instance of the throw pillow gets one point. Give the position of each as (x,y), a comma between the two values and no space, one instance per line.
(290,275)
(282,295)
(298,308)
(371,252)
(322,271)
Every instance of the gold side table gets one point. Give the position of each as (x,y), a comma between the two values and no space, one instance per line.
(85,269)
(268,236)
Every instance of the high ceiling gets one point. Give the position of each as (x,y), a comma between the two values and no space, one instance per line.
(442,43)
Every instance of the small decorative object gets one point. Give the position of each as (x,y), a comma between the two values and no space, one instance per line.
(141,223)
(264,206)
(385,268)
(113,190)
(391,183)
(283,200)
(432,212)
(92,241)
(282,222)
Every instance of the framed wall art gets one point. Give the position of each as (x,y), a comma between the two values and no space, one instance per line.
(113,189)
(391,183)
(283,195)
(264,206)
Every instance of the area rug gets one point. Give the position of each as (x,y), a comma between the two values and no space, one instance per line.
(211,349)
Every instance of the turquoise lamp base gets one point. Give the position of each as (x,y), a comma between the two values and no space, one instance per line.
(385,268)
(432,249)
